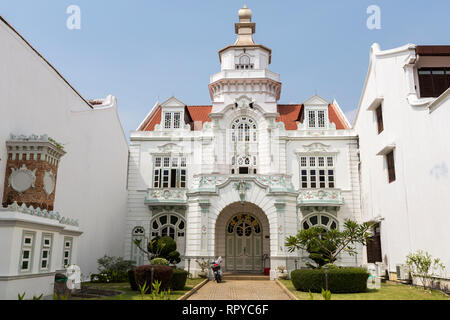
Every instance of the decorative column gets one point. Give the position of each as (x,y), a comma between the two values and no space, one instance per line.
(204,205)
(280,206)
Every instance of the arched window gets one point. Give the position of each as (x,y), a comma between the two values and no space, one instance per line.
(244,224)
(137,255)
(244,59)
(244,129)
(320,220)
(244,63)
(172,225)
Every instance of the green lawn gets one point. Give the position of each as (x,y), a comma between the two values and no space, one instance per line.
(388,291)
(133,295)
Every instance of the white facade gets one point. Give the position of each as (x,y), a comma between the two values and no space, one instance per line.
(34,247)
(91,184)
(240,159)
(413,209)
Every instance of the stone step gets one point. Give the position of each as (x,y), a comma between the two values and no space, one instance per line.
(232,276)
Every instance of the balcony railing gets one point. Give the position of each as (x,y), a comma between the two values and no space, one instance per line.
(166,196)
(320,197)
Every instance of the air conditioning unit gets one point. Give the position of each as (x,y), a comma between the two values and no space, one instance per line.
(402,272)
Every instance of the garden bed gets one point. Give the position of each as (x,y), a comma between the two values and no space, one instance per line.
(127,294)
(96,292)
(388,291)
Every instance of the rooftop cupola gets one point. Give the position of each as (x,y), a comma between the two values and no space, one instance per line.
(245,28)
(245,53)
(244,70)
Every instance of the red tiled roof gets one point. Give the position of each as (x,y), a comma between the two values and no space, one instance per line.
(334,115)
(200,113)
(289,114)
(154,120)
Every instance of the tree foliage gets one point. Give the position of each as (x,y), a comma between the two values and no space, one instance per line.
(325,245)
(161,247)
(422,265)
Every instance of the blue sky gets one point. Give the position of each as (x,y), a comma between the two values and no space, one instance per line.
(142,51)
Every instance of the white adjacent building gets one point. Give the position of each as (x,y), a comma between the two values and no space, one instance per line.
(236,177)
(63,183)
(402,124)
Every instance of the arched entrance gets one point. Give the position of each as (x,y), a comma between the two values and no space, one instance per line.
(244,243)
(242,238)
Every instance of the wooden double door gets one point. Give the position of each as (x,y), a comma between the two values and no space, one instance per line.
(244,244)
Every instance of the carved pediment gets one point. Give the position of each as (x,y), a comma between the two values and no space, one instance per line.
(172,102)
(316,100)
(170,148)
(316,148)
(243,102)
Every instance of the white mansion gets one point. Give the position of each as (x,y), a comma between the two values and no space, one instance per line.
(230,179)
(235,178)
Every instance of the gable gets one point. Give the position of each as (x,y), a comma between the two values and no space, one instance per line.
(316,100)
(290,114)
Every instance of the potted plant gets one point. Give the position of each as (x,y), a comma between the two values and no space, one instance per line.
(282,272)
(203,264)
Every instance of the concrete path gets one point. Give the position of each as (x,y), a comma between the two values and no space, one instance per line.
(240,290)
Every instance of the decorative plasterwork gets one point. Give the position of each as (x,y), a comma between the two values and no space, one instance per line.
(306,210)
(168,209)
(316,148)
(243,102)
(232,85)
(52,215)
(22,179)
(210,183)
(49,182)
(35,138)
(320,197)
(157,196)
(34,147)
(170,148)
(242,188)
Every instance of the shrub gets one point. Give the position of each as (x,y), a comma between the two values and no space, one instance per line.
(132,280)
(112,269)
(160,261)
(161,273)
(423,266)
(324,246)
(179,278)
(340,280)
(158,247)
(116,264)
(162,246)
(174,257)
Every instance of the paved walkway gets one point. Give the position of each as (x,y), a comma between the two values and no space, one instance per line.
(240,290)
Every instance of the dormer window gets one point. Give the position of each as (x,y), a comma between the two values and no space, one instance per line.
(317,119)
(172,120)
(244,63)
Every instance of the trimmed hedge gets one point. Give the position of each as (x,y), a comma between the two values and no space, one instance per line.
(160,261)
(179,278)
(340,280)
(161,273)
(132,280)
